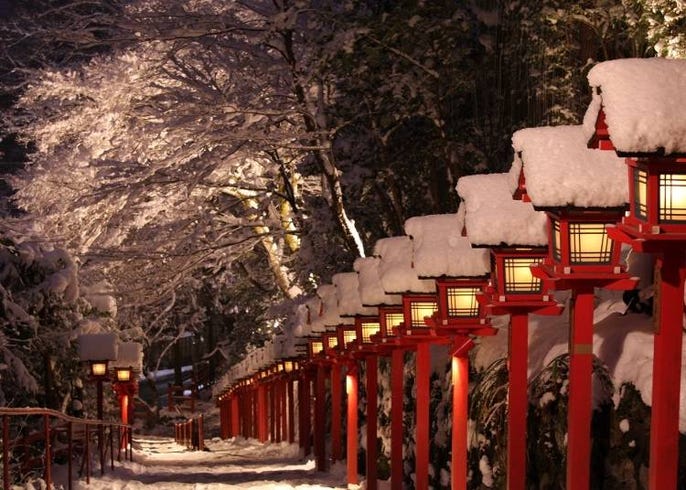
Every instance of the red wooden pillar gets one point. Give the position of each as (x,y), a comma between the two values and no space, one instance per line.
(274,422)
(664,421)
(517,400)
(283,433)
(580,407)
(371,387)
(460,382)
(320,418)
(235,416)
(351,388)
(307,414)
(261,416)
(397,378)
(422,380)
(291,409)
(336,415)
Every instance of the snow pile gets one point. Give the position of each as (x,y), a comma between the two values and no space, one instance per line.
(396,270)
(130,354)
(493,218)
(623,342)
(644,104)
(369,283)
(98,347)
(560,170)
(441,250)
(347,292)
(331,316)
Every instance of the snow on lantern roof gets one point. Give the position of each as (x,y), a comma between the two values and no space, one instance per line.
(396,269)
(644,104)
(130,354)
(98,346)
(347,292)
(441,250)
(302,326)
(314,311)
(369,283)
(493,218)
(561,170)
(330,313)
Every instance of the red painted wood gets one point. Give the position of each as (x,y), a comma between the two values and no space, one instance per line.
(664,422)
(460,381)
(283,409)
(372,378)
(517,400)
(422,379)
(306,415)
(235,416)
(261,416)
(397,378)
(290,402)
(580,409)
(320,419)
(336,413)
(351,382)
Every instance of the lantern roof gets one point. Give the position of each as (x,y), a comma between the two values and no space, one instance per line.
(493,217)
(98,346)
(561,170)
(396,269)
(369,283)
(348,294)
(440,250)
(644,105)
(130,354)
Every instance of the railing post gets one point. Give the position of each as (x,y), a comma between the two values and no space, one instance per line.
(6,452)
(48,455)
(201,434)
(112,448)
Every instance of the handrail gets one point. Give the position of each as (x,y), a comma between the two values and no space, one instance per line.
(191,433)
(48,432)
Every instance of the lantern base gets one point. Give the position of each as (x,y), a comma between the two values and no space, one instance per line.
(559,281)
(644,242)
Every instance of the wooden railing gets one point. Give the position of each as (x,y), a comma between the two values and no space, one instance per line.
(177,400)
(190,433)
(27,450)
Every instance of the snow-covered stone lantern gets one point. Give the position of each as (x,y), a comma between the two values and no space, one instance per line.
(399,277)
(98,349)
(460,273)
(516,234)
(589,196)
(639,111)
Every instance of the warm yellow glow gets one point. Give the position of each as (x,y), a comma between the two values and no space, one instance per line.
(123,374)
(98,368)
(349,384)
(288,366)
(518,275)
(588,243)
(369,329)
(673,197)
(393,320)
(421,310)
(333,341)
(317,347)
(348,337)
(462,301)
(641,193)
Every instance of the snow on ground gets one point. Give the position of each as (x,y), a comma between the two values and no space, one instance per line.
(228,464)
